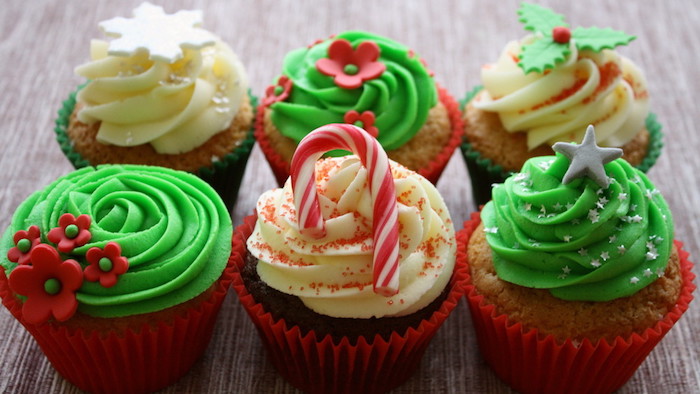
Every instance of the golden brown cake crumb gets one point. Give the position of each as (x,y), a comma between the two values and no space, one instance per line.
(487,135)
(417,153)
(537,308)
(85,143)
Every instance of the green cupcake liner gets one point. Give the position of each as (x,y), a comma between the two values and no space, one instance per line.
(483,172)
(224,175)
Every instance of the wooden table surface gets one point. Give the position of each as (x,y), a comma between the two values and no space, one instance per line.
(42,41)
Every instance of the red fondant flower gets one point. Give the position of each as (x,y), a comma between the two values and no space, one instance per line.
(364,120)
(72,232)
(351,67)
(25,241)
(49,285)
(105,265)
(278,92)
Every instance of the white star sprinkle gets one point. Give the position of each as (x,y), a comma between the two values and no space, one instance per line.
(622,196)
(659,272)
(605,256)
(569,205)
(162,35)
(648,273)
(566,269)
(651,255)
(658,240)
(595,263)
(636,219)
(583,252)
(528,206)
(621,249)
(567,238)
(521,176)
(599,191)
(543,209)
(575,221)
(593,216)
(634,280)
(491,230)
(612,239)
(633,207)
(557,206)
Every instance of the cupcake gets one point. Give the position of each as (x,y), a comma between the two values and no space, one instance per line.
(546,88)
(366,80)
(574,275)
(350,268)
(178,100)
(118,272)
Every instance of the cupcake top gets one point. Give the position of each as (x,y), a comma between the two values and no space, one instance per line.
(581,228)
(163,81)
(556,81)
(354,77)
(379,242)
(115,241)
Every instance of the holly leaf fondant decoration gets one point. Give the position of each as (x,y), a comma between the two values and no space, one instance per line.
(537,18)
(553,38)
(597,39)
(162,35)
(542,54)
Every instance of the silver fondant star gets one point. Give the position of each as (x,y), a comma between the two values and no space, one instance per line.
(587,159)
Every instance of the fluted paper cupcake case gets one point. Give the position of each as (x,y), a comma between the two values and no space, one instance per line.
(483,172)
(127,361)
(531,362)
(432,172)
(224,175)
(322,365)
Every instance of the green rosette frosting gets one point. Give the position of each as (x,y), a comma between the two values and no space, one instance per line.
(580,241)
(172,227)
(400,97)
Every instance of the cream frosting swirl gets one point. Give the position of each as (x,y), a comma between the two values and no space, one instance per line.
(603,89)
(175,107)
(333,275)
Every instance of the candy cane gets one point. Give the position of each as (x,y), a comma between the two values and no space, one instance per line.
(381,186)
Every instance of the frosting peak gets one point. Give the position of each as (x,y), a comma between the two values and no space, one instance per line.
(333,275)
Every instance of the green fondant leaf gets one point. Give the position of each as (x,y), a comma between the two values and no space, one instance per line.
(537,18)
(597,39)
(542,54)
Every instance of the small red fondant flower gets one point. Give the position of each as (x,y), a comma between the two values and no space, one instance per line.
(364,120)
(25,241)
(49,285)
(72,232)
(105,265)
(351,67)
(278,92)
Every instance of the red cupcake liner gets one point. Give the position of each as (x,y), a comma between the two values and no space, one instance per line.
(126,361)
(432,171)
(321,365)
(535,363)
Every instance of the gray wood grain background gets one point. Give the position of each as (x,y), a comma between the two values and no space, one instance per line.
(41,41)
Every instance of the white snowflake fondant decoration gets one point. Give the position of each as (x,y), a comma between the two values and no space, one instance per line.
(162,35)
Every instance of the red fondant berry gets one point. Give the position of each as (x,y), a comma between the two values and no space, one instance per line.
(561,34)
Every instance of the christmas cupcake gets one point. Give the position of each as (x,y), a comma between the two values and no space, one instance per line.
(178,100)
(547,87)
(574,275)
(118,272)
(366,80)
(350,267)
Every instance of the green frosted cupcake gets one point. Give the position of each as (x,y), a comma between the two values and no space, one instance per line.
(118,272)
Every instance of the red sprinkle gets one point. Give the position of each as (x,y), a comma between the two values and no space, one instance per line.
(561,34)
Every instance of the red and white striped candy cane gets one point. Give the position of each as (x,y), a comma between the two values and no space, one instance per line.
(381,187)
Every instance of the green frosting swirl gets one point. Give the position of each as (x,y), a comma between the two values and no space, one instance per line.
(400,98)
(578,240)
(172,227)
